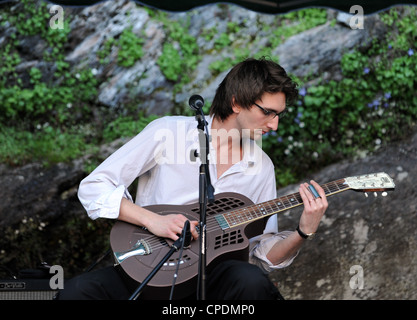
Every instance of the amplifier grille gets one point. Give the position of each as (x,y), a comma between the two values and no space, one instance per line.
(27,295)
(26,289)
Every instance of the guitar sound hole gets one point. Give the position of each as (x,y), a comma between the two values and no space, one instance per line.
(221,205)
(174,261)
(228,238)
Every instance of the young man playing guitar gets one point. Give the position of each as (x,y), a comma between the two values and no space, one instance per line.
(248,103)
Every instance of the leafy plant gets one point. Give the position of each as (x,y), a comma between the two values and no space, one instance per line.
(170,62)
(130,48)
(371,105)
(180,53)
(126,127)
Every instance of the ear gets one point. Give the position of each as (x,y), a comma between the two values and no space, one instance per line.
(235,107)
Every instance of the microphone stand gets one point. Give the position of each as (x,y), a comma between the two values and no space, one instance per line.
(206,192)
(181,242)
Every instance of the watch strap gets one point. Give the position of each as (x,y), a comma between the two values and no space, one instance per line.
(302,234)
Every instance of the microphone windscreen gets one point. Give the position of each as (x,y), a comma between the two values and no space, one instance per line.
(196,102)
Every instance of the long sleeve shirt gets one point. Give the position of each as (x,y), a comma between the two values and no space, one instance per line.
(159,157)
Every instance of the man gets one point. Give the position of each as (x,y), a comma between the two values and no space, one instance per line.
(248,103)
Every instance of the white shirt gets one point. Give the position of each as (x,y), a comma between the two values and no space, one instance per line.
(160,157)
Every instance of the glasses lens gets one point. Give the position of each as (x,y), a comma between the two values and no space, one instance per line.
(272,115)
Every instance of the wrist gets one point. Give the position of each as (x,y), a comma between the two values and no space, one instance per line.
(134,214)
(306,236)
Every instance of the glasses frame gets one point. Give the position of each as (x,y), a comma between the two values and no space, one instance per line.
(275,114)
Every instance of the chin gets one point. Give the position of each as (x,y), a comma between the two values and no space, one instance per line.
(257,134)
(256,137)
(252,134)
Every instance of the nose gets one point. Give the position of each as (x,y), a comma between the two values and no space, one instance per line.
(273,123)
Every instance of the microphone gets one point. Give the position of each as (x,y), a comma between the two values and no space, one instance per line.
(196,102)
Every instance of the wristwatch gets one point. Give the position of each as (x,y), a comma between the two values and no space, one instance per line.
(303,235)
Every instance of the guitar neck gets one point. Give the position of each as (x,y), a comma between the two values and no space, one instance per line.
(254,212)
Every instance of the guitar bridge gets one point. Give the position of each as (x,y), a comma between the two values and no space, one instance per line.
(141,248)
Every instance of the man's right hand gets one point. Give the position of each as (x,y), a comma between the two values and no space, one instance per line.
(166,226)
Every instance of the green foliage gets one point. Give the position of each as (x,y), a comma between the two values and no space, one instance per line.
(296,22)
(222,41)
(287,25)
(227,62)
(372,104)
(170,62)
(104,53)
(180,53)
(31,20)
(44,103)
(47,145)
(124,127)
(38,118)
(129,49)
(10,59)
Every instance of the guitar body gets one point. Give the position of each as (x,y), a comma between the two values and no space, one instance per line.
(221,244)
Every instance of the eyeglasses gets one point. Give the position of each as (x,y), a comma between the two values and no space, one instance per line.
(272,114)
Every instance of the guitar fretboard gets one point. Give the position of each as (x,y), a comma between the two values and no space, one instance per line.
(240,216)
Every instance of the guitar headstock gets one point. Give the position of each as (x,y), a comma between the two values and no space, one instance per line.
(372,182)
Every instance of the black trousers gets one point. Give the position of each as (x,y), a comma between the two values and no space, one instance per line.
(229,280)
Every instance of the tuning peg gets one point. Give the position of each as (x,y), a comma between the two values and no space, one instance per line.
(384,194)
(375,194)
(366,195)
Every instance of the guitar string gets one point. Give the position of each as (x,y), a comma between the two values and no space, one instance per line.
(158,242)
(246,214)
(213,225)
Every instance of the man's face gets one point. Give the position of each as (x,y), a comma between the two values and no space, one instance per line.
(263,116)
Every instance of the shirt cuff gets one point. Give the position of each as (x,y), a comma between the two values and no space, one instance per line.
(108,205)
(260,248)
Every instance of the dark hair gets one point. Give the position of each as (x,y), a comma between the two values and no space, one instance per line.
(247,82)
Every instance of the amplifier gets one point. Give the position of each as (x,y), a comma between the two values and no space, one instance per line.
(26,289)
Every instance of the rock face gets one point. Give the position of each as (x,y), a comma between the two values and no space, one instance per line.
(328,42)
(33,190)
(318,51)
(36,191)
(313,53)
(370,237)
